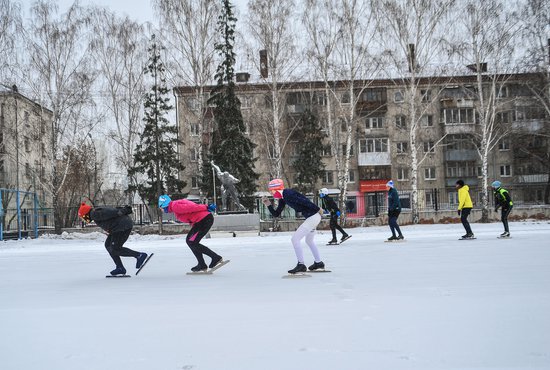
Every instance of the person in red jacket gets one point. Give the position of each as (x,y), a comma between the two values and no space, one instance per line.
(200,218)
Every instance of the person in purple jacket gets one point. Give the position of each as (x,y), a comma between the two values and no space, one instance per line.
(309,210)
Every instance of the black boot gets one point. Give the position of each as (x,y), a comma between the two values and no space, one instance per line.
(215,261)
(199,267)
(317,266)
(118,271)
(300,267)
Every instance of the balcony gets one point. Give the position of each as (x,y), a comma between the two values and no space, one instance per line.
(459,128)
(532,179)
(531,125)
(296,108)
(470,181)
(455,155)
(374,159)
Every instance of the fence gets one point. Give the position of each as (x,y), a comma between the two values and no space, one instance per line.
(18,214)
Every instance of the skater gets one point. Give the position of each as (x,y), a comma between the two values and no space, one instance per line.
(394,209)
(504,200)
(200,218)
(329,205)
(464,207)
(311,212)
(118,225)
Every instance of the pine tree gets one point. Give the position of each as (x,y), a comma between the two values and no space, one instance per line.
(230,149)
(156,156)
(308,165)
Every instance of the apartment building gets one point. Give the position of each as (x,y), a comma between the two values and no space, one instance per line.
(25,144)
(447,135)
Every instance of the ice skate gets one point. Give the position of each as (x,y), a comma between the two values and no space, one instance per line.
(118,271)
(400,237)
(344,238)
(505,235)
(333,242)
(317,266)
(300,267)
(199,268)
(140,259)
(215,261)
(392,238)
(469,236)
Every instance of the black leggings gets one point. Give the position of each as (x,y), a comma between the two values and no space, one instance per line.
(334,226)
(197,232)
(392,220)
(504,217)
(114,245)
(464,218)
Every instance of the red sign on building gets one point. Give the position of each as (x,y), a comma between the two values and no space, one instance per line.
(371,186)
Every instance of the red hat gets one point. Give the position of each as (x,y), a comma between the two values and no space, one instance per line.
(276,184)
(84,210)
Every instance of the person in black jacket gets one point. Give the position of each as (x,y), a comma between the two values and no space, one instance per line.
(504,200)
(309,210)
(329,205)
(118,225)
(394,209)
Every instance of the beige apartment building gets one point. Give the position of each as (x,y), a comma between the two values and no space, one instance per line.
(446,137)
(25,144)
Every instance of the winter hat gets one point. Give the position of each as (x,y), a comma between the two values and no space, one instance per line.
(83,211)
(460,182)
(276,184)
(496,184)
(164,201)
(390,184)
(323,192)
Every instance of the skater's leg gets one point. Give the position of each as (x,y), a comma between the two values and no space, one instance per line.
(396,225)
(312,223)
(504,218)
(195,235)
(116,258)
(115,246)
(464,219)
(337,227)
(392,222)
(333,225)
(304,230)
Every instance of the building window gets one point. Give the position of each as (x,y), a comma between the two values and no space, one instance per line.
(427,120)
(401,122)
(192,104)
(194,130)
(426,95)
(504,144)
(351,176)
(398,96)
(374,122)
(453,198)
(195,182)
(452,116)
(27,169)
(429,198)
(429,147)
(402,174)
(351,152)
(194,154)
(27,143)
(502,91)
(504,117)
(246,101)
(373,145)
(327,178)
(345,98)
(326,152)
(294,149)
(429,173)
(402,147)
(506,170)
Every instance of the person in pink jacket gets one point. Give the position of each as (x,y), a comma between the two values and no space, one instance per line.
(200,218)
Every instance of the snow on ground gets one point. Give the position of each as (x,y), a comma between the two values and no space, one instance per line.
(433,302)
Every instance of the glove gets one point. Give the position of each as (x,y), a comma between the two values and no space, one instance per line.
(459,212)
(266,201)
(212,207)
(128,209)
(337,213)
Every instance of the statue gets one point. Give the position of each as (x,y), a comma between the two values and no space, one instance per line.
(228,187)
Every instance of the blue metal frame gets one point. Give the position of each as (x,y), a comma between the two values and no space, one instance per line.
(18,200)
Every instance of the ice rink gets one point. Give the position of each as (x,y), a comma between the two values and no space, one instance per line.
(432,302)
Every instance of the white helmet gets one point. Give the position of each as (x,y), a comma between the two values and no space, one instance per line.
(323,192)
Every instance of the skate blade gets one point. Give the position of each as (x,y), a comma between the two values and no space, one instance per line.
(504,237)
(117,276)
(144,263)
(395,241)
(205,272)
(343,240)
(296,276)
(317,271)
(467,238)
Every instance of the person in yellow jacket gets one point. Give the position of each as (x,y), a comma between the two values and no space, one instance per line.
(464,207)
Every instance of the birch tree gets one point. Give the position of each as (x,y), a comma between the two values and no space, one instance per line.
(490,28)
(191,36)
(10,29)
(61,77)
(270,26)
(120,48)
(412,35)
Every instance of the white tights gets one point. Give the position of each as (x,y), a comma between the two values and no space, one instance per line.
(307,229)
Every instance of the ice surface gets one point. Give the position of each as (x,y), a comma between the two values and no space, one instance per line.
(433,302)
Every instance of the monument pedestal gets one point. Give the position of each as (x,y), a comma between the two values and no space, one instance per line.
(236,221)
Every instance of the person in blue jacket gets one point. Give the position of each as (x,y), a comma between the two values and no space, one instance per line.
(394,209)
(309,210)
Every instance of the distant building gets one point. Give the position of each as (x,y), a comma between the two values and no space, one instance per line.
(449,126)
(25,144)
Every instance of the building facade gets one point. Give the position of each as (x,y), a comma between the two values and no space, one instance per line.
(25,145)
(447,133)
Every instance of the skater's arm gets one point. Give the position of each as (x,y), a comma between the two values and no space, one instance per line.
(277,212)
(102,214)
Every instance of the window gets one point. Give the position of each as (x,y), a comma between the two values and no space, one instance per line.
(504,117)
(429,173)
(351,152)
(246,127)
(427,120)
(194,182)
(320,98)
(27,143)
(398,96)
(194,154)
(327,177)
(27,169)
(461,169)
(401,122)
(351,176)
(373,145)
(402,174)
(502,91)
(453,198)
(294,149)
(429,147)
(194,131)
(452,116)
(192,104)
(374,122)
(345,98)
(402,147)
(429,198)
(326,152)
(504,144)
(426,95)
(246,101)
(506,170)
